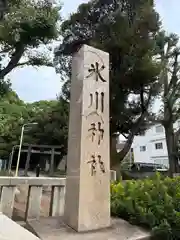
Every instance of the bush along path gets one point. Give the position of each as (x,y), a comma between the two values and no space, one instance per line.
(152,203)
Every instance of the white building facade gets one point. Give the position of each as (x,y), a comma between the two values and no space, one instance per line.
(151,147)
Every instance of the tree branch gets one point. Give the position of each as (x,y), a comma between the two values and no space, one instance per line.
(135,129)
(124,135)
(151,118)
(22,64)
(16,56)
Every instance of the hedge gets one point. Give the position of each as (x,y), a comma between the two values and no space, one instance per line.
(152,203)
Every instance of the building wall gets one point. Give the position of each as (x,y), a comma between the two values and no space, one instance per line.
(151,147)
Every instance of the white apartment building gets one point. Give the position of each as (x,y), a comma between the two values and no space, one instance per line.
(151,147)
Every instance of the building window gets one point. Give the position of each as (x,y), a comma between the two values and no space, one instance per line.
(159,129)
(142,148)
(159,145)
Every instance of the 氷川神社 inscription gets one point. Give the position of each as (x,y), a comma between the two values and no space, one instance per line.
(87,201)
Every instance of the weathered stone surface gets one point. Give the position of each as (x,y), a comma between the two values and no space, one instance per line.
(10,230)
(87,201)
(55,229)
(57,201)
(34,202)
(7,200)
(34,181)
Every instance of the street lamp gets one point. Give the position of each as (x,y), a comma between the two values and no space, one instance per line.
(20,145)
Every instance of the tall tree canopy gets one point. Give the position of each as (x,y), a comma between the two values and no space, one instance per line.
(127,31)
(52,127)
(26,26)
(13,114)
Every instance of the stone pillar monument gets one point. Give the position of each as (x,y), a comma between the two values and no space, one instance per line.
(87,200)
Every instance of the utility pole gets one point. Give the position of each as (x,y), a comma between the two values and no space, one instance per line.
(20,146)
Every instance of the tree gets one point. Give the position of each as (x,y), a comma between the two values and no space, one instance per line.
(5,87)
(127,31)
(52,124)
(51,116)
(51,129)
(13,114)
(26,26)
(168,55)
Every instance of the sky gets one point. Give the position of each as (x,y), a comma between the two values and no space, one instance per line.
(44,84)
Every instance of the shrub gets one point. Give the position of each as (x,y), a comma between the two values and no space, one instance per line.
(153,203)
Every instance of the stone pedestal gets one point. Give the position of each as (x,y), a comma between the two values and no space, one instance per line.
(55,229)
(87,199)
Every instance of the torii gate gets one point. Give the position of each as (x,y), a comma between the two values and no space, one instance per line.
(30,149)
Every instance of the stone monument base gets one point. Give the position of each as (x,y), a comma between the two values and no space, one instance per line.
(55,229)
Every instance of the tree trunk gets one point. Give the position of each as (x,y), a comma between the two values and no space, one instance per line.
(117,158)
(171,147)
(127,147)
(15,58)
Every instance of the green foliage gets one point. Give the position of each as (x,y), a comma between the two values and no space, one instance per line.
(26,26)
(127,32)
(52,127)
(13,113)
(5,87)
(51,116)
(153,203)
(31,22)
